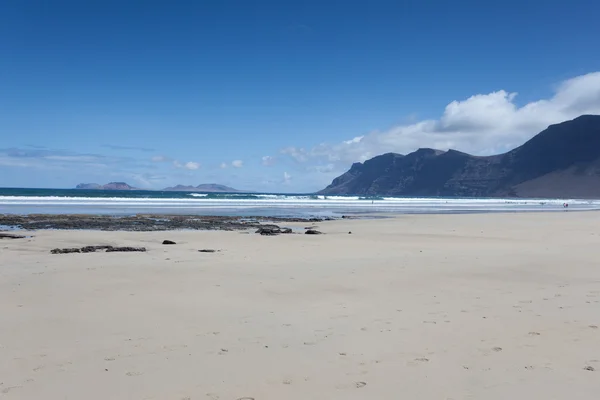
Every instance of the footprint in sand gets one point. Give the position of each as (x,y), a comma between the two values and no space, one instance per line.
(497,349)
(417,361)
(174,347)
(8,389)
(534,333)
(360,384)
(133,373)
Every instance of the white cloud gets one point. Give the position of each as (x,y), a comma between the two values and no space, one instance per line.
(82,158)
(13,162)
(268,160)
(160,159)
(355,140)
(482,124)
(287,178)
(46,158)
(322,168)
(144,180)
(191,165)
(234,164)
(298,154)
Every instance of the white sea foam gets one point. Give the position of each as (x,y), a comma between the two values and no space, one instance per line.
(198,203)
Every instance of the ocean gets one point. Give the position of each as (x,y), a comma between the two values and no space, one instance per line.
(71,201)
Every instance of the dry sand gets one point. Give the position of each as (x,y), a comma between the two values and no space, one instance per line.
(503,306)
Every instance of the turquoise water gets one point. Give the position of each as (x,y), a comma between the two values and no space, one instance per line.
(72,201)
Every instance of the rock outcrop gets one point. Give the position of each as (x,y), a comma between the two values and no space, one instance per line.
(108,186)
(561,161)
(93,249)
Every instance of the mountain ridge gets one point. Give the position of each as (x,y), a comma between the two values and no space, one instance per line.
(203,187)
(561,161)
(108,186)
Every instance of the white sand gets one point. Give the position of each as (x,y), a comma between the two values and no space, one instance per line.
(417,307)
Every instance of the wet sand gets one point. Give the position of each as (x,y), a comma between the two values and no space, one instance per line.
(489,306)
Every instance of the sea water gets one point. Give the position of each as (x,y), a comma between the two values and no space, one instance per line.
(67,201)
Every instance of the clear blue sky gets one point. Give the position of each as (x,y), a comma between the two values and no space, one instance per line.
(163,92)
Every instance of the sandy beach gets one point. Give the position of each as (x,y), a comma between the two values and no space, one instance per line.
(487,306)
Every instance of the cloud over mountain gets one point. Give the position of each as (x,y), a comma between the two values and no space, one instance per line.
(483,124)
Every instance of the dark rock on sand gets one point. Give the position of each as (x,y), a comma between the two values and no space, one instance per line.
(268,231)
(125,249)
(11,236)
(168,242)
(143,222)
(93,249)
(208,251)
(273,230)
(313,232)
(65,251)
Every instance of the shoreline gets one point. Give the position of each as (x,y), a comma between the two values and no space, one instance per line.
(270,205)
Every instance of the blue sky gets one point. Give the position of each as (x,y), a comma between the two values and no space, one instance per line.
(278,95)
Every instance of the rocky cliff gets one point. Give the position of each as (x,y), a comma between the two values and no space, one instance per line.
(561,161)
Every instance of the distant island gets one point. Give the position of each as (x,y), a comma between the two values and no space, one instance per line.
(562,161)
(108,186)
(204,187)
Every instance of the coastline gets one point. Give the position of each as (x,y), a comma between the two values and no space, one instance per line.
(444,306)
(123,204)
